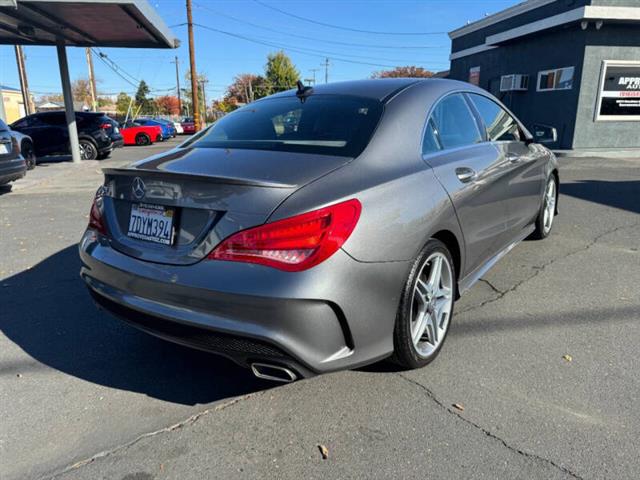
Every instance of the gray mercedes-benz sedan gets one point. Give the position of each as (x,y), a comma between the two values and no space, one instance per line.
(321,229)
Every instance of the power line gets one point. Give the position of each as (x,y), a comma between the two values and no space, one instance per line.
(304,37)
(338,27)
(303,51)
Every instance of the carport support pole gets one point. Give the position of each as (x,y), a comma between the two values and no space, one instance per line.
(68,101)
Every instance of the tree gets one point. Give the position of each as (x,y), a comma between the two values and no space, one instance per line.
(81,91)
(122,103)
(280,72)
(246,88)
(407,71)
(143,104)
(167,105)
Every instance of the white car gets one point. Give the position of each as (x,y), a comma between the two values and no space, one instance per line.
(179,129)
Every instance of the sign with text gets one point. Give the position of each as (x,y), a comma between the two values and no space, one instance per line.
(620,92)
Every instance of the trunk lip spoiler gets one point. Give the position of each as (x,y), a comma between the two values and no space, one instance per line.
(196,176)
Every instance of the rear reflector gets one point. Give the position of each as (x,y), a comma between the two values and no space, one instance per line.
(293,244)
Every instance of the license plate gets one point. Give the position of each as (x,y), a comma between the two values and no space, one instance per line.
(153,223)
(3,149)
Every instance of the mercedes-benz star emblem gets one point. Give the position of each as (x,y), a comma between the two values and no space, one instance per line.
(138,188)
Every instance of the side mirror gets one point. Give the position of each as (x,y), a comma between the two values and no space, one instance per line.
(545,134)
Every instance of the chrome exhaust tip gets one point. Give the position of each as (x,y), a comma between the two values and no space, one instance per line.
(275,373)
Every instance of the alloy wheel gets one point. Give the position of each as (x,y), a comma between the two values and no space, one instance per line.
(549,205)
(87,151)
(432,302)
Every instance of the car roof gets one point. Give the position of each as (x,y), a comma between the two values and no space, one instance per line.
(381,89)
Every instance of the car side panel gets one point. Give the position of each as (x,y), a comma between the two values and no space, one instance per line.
(526,181)
(480,204)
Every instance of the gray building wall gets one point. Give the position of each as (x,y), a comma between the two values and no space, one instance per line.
(544,51)
(613,42)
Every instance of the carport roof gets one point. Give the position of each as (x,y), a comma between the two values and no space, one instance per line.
(83,23)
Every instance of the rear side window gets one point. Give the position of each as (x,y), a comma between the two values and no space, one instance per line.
(54,119)
(323,124)
(499,124)
(454,123)
(430,142)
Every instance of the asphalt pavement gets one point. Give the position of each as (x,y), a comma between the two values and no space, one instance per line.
(539,379)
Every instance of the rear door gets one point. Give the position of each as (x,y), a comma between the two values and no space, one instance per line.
(524,167)
(472,172)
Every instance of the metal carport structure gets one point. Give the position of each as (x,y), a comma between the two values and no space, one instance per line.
(81,23)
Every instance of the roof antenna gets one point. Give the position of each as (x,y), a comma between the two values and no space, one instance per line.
(303,92)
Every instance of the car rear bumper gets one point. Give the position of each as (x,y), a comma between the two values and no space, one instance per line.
(337,315)
(11,170)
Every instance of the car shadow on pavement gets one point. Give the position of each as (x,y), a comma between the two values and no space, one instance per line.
(48,313)
(619,194)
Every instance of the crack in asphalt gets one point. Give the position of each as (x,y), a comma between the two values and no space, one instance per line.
(540,268)
(488,433)
(188,421)
(492,286)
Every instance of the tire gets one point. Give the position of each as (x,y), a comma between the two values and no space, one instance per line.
(544,221)
(88,149)
(418,306)
(29,155)
(143,139)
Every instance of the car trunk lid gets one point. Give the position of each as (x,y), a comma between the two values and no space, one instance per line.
(207,193)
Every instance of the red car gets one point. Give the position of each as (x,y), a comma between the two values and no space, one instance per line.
(136,134)
(188,126)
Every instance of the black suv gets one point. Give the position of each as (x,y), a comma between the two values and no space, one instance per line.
(97,134)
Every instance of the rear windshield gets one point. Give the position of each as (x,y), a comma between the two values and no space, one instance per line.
(323,124)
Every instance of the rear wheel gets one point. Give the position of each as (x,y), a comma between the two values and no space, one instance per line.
(544,222)
(143,139)
(426,307)
(88,150)
(29,154)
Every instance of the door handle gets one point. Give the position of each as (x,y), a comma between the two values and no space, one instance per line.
(466,174)
(513,158)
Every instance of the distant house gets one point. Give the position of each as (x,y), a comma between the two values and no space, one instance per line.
(12,102)
(52,106)
(49,106)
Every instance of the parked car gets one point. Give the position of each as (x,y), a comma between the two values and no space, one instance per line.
(178,127)
(188,126)
(334,244)
(12,164)
(51,136)
(137,134)
(168,131)
(26,148)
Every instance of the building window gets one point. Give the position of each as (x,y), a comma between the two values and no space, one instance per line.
(556,79)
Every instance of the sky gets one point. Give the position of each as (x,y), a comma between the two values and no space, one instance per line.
(235,37)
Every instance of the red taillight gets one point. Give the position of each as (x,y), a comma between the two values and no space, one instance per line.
(106,126)
(96,221)
(295,243)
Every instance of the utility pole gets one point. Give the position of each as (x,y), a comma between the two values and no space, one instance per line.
(24,83)
(204,98)
(326,70)
(92,81)
(194,74)
(314,70)
(178,86)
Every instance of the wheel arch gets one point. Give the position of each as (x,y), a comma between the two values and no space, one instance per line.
(453,245)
